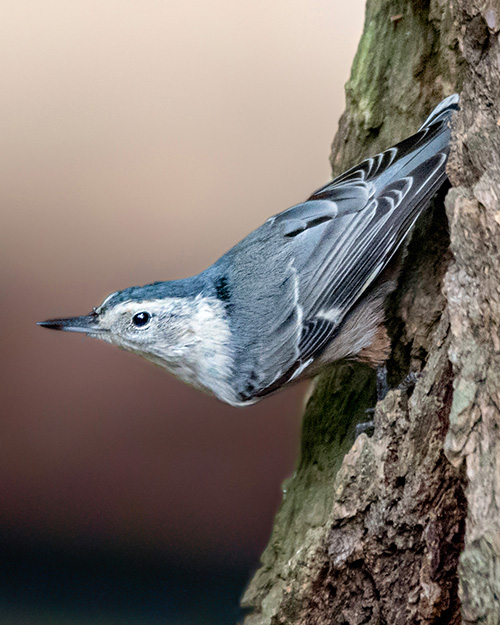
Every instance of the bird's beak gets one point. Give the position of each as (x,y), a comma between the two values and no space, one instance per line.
(87,324)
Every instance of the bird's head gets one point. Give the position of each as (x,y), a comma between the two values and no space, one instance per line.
(153,325)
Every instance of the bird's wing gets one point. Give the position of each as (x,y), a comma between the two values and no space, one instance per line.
(353,250)
(334,246)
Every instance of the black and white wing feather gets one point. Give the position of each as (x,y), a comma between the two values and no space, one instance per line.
(318,258)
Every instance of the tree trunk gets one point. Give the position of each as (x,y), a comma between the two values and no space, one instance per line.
(403,527)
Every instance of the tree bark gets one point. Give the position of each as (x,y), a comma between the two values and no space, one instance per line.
(404,527)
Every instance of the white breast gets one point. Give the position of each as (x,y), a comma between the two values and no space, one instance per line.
(212,356)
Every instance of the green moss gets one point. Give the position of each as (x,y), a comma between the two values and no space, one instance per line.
(463,397)
(339,402)
(403,67)
(396,79)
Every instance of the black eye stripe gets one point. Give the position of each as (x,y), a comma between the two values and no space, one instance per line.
(140,319)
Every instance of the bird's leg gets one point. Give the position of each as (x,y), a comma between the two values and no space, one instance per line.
(409,381)
(382,384)
(382,390)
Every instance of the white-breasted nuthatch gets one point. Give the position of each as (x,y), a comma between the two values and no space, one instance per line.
(305,289)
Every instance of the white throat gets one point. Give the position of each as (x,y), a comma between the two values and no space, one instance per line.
(206,361)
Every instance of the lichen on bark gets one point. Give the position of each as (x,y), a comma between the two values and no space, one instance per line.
(372,530)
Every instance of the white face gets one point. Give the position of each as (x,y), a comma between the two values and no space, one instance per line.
(190,337)
(159,330)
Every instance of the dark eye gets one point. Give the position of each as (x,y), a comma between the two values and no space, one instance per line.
(140,319)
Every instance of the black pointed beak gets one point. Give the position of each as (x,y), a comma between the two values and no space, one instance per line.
(86,323)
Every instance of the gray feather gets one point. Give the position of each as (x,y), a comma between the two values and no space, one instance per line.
(305,289)
(294,279)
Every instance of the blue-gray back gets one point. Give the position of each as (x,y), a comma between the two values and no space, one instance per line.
(289,284)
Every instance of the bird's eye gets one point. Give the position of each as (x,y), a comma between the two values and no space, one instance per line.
(141,319)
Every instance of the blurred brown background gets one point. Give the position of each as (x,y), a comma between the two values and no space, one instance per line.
(139,141)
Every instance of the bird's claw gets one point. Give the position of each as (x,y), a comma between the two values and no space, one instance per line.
(366,428)
(382,384)
(382,390)
(409,381)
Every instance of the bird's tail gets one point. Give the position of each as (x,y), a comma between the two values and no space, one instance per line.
(443,111)
(404,157)
(431,139)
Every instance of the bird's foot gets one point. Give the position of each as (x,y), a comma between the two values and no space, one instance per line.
(367,427)
(382,389)
(409,381)
(382,384)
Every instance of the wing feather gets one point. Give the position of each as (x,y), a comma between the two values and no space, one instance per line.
(319,257)
(368,245)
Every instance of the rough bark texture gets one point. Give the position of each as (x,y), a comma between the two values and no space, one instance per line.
(403,527)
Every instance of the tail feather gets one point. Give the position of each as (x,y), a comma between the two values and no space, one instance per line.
(443,110)
(431,138)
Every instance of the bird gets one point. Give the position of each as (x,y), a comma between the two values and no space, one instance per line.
(304,290)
